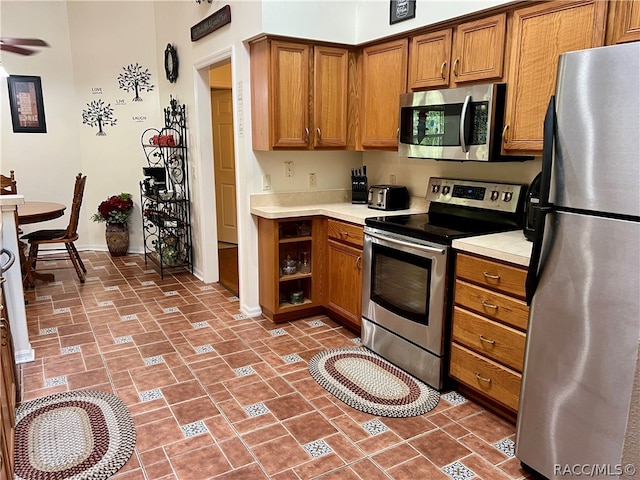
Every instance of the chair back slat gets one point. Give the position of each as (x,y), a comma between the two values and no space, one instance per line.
(78,193)
(8,185)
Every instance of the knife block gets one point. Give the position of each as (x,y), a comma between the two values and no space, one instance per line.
(359,189)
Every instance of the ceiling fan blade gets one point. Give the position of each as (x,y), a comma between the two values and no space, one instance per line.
(31,42)
(14,49)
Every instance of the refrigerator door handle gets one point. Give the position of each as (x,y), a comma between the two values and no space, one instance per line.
(545,207)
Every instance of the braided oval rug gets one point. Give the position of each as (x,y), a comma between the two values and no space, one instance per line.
(369,383)
(72,435)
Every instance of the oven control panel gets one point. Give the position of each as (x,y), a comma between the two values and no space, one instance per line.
(504,197)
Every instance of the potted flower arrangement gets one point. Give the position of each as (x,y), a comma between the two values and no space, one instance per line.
(115,211)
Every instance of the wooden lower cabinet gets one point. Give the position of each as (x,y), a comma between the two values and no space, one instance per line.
(287,289)
(489,331)
(334,283)
(343,280)
(8,395)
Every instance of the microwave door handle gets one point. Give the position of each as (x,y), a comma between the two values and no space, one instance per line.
(463,124)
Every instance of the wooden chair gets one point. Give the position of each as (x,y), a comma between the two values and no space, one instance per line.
(8,184)
(66,236)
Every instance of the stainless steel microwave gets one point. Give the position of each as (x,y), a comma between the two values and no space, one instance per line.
(453,124)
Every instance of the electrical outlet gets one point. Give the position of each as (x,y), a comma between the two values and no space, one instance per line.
(266,182)
(312,180)
(392,179)
(288,169)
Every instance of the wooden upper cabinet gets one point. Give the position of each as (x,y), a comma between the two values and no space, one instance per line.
(624,22)
(444,58)
(479,50)
(285,95)
(330,79)
(290,94)
(430,60)
(383,77)
(540,34)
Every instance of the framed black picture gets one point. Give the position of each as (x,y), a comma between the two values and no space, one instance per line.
(401,10)
(27,106)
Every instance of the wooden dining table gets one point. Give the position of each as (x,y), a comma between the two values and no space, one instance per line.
(36,212)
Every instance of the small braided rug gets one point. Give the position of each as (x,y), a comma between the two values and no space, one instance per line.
(369,383)
(72,435)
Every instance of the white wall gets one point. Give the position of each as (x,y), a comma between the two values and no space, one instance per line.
(45,163)
(90,42)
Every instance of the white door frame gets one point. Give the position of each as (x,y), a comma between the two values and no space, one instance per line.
(206,180)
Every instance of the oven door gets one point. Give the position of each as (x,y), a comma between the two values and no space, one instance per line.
(404,287)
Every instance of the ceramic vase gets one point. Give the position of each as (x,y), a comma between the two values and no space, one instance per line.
(117,236)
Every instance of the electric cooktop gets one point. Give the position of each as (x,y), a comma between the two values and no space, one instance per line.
(458,209)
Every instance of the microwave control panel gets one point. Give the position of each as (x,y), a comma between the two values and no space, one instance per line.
(504,197)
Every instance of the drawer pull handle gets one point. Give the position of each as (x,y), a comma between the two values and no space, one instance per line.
(442,67)
(484,339)
(343,234)
(479,377)
(5,333)
(489,275)
(489,305)
(359,263)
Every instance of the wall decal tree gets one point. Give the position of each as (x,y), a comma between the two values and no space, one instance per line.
(134,78)
(98,114)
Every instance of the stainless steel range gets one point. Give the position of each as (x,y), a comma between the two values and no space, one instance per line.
(407,265)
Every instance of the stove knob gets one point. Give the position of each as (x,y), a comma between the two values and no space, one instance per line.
(507,196)
(446,190)
(494,194)
(435,188)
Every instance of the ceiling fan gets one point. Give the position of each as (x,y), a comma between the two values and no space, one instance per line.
(9,44)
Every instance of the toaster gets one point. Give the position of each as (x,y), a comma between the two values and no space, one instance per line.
(388,197)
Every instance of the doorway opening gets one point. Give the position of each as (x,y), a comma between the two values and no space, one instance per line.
(220,84)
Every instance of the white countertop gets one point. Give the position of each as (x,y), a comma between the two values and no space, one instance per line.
(348,212)
(509,247)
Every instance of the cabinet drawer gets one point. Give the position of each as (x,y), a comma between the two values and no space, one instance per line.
(486,376)
(345,232)
(493,305)
(491,274)
(498,342)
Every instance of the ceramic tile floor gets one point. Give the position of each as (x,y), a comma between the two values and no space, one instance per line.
(215,394)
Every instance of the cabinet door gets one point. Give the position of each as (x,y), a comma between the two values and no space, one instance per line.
(7,396)
(429,60)
(541,34)
(383,79)
(479,49)
(290,94)
(330,74)
(344,281)
(624,24)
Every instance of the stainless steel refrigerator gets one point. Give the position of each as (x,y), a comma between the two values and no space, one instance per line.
(579,409)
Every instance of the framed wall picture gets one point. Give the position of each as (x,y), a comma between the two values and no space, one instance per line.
(27,106)
(401,10)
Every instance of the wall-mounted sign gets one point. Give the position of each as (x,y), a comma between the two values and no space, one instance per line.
(212,23)
(401,10)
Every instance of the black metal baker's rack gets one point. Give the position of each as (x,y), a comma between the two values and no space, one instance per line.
(164,193)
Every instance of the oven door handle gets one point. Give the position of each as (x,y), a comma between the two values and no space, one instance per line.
(424,248)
